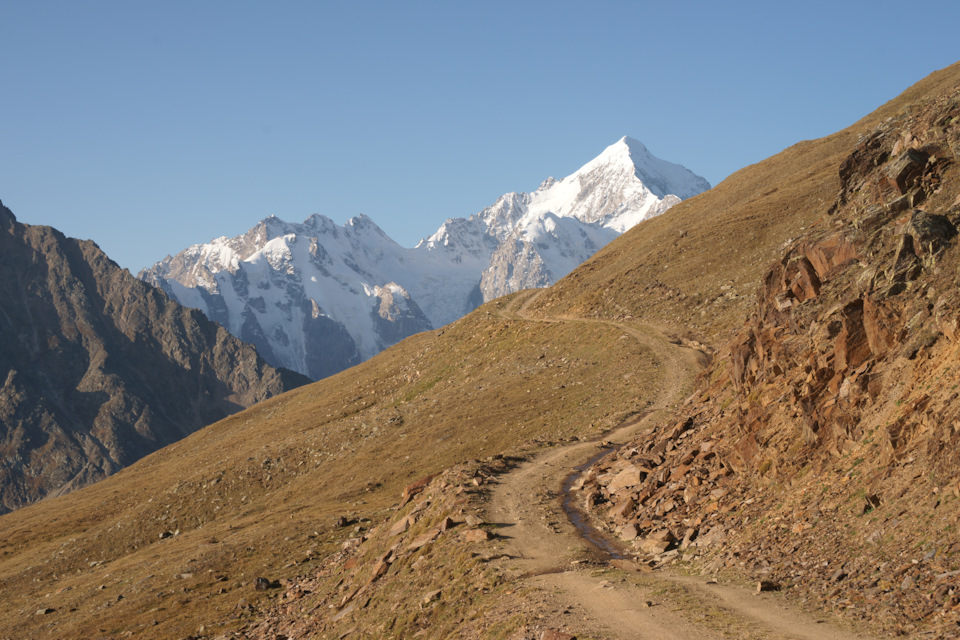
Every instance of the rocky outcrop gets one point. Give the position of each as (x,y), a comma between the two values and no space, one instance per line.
(819,452)
(98,369)
(538,252)
(397,316)
(514,266)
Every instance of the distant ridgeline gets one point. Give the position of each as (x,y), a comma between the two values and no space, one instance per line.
(317,297)
(98,369)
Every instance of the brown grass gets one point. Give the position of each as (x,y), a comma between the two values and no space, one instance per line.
(696,269)
(252,494)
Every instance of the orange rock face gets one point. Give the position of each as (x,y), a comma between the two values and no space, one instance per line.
(820,443)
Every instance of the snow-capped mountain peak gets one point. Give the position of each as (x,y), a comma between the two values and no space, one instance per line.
(662,178)
(621,155)
(318,297)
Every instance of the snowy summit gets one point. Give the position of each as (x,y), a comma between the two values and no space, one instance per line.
(318,297)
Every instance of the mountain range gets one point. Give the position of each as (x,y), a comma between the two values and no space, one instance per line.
(318,297)
(101,369)
(756,388)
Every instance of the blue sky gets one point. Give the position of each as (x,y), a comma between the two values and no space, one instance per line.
(148,127)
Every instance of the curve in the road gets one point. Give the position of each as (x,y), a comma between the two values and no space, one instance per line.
(570,565)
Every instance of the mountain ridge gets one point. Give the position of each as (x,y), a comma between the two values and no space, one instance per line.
(523,240)
(79,334)
(330,494)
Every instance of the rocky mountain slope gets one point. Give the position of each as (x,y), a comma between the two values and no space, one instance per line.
(819,452)
(100,369)
(321,510)
(319,297)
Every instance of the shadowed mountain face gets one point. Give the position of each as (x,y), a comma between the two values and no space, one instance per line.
(98,369)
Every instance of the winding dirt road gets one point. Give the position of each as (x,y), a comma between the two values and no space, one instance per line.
(577,587)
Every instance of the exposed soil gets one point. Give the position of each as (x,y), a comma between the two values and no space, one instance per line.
(260,494)
(583,590)
(819,452)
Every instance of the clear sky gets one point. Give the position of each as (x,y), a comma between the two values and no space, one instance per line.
(150,126)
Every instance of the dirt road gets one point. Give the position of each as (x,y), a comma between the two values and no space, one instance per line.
(578,588)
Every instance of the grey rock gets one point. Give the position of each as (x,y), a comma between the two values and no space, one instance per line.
(98,369)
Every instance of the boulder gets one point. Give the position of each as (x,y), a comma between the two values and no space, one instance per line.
(262,584)
(379,570)
(622,510)
(402,525)
(907,168)
(654,547)
(658,542)
(929,233)
(475,535)
(805,285)
(829,254)
(851,347)
(423,540)
(629,477)
(767,585)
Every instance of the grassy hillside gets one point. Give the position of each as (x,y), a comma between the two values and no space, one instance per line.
(697,268)
(178,540)
(179,537)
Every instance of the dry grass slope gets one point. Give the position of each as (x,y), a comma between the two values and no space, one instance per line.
(697,268)
(253,494)
(259,493)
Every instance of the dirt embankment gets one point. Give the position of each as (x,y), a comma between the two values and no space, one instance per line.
(576,586)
